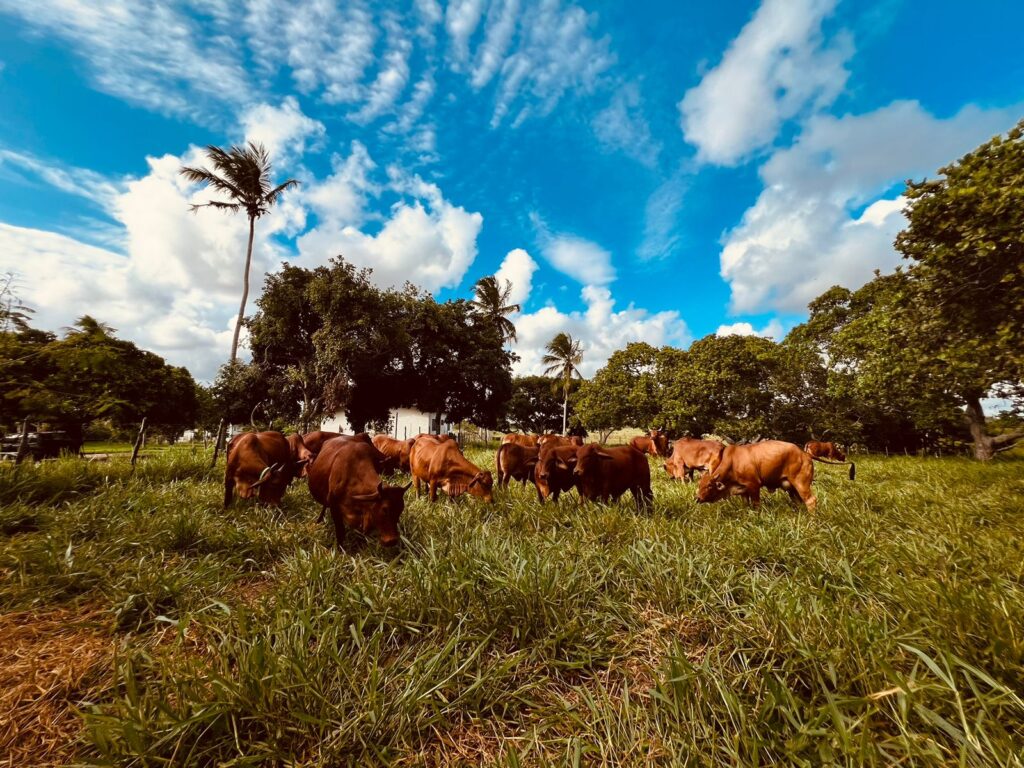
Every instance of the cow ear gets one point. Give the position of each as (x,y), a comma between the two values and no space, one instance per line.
(561,464)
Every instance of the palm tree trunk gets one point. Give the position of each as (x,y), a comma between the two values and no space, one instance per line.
(245,292)
(565,411)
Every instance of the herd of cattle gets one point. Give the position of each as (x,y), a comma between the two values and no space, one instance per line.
(345,471)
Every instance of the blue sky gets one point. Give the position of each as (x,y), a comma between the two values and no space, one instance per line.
(640,171)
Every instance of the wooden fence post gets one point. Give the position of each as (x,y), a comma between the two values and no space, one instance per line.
(217,441)
(22,444)
(139,440)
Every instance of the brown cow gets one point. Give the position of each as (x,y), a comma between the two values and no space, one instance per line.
(829,453)
(515,461)
(301,454)
(553,472)
(528,441)
(744,470)
(604,473)
(690,455)
(555,440)
(440,463)
(260,462)
(345,480)
(396,451)
(655,443)
(315,440)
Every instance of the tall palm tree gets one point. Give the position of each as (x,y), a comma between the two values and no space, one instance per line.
(491,303)
(243,174)
(563,356)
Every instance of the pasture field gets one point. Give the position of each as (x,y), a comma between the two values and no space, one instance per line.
(142,625)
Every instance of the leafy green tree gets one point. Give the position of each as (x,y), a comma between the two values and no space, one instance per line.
(90,374)
(534,405)
(281,339)
(964,311)
(243,174)
(562,358)
(625,392)
(492,304)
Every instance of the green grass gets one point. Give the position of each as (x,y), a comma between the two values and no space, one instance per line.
(887,628)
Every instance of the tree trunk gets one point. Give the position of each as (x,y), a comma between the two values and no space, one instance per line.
(985,445)
(245,291)
(22,444)
(565,412)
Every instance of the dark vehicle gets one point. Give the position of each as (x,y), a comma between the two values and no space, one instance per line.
(41,445)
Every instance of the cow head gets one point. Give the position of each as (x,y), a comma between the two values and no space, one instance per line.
(838,453)
(590,460)
(302,457)
(381,510)
(553,471)
(711,488)
(482,486)
(269,486)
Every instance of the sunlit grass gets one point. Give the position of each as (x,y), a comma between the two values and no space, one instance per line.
(886,628)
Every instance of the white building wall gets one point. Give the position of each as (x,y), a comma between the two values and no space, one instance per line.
(405,423)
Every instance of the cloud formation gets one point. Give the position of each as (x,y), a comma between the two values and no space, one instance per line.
(779,65)
(827,215)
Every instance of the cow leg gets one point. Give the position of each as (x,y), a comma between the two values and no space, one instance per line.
(643,498)
(229,489)
(339,527)
(433,490)
(688,475)
(754,496)
(416,480)
(806,494)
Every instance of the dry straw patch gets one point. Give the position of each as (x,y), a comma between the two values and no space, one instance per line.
(50,662)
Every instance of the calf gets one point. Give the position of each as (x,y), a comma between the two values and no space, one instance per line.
(689,455)
(515,461)
(259,463)
(440,464)
(744,470)
(604,473)
(553,472)
(345,480)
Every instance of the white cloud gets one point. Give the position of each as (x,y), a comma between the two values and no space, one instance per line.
(517,268)
(392,76)
(771,331)
(285,131)
(622,126)
(425,239)
(660,216)
(778,66)
(498,31)
(582,260)
(461,21)
(600,327)
(806,233)
(145,52)
(555,53)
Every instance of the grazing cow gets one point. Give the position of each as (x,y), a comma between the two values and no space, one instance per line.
(515,461)
(528,441)
(345,480)
(555,440)
(690,455)
(604,473)
(655,443)
(440,464)
(553,472)
(260,463)
(396,451)
(744,470)
(829,453)
(301,454)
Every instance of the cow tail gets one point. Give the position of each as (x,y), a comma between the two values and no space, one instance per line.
(497,460)
(853,467)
